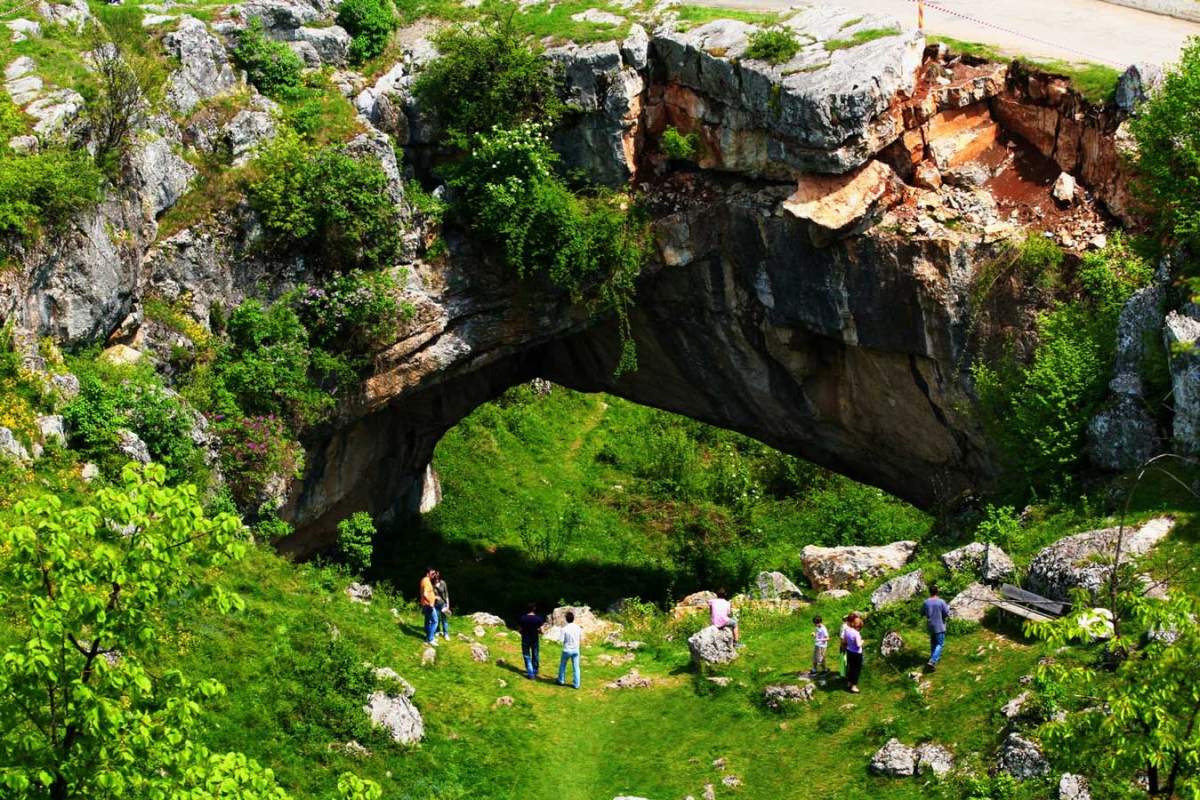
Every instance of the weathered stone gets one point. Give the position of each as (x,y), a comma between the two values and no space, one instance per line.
(160,175)
(55,113)
(839,204)
(1015,708)
(204,70)
(1182,336)
(1073,787)
(987,560)
(693,603)
(485,619)
(331,44)
(74,14)
(1064,189)
(23,29)
(635,50)
(396,714)
(130,445)
(894,760)
(1137,83)
(1021,758)
(246,131)
(779,697)
(934,758)
(24,145)
(479,652)
(387,674)
(891,644)
(1084,560)
(834,594)
(11,447)
(775,586)
(839,567)
(504,701)
(898,589)
(360,592)
(630,680)
(592,626)
(89,472)
(712,645)
(972,603)
(428,656)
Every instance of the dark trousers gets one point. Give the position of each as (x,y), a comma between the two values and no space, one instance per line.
(853,667)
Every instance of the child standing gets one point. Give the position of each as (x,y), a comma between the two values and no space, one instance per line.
(820,645)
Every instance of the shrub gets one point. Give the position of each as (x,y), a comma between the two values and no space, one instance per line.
(322,200)
(119,107)
(356,313)
(1000,526)
(1168,152)
(256,452)
(488,77)
(43,190)
(371,23)
(319,692)
(271,66)
(12,122)
(680,146)
(587,246)
(354,536)
(774,45)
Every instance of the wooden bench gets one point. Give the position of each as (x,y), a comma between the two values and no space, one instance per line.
(1027,605)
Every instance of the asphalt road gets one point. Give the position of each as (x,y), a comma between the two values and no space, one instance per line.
(1072,30)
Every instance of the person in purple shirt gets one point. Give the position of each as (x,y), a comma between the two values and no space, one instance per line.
(530,626)
(936,613)
(852,646)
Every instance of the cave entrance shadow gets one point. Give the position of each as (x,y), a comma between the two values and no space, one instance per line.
(503,580)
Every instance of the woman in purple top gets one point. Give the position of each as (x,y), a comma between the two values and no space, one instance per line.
(852,646)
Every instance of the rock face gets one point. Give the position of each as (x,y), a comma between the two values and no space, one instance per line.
(775,586)
(398,715)
(1182,335)
(840,567)
(1021,758)
(898,589)
(205,70)
(1084,560)
(712,645)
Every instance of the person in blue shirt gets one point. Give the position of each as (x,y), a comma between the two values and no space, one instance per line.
(531,630)
(936,613)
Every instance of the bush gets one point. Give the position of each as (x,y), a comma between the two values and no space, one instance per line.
(41,191)
(371,23)
(1168,152)
(593,246)
(256,452)
(271,66)
(488,77)
(354,536)
(356,313)
(774,45)
(120,105)
(680,146)
(324,201)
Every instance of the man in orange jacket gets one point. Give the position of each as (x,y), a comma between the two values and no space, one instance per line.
(427,598)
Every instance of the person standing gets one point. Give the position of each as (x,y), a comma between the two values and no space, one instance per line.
(426,597)
(530,626)
(441,604)
(936,612)
(572,640)
(852,646)
(820,646)
(721,611)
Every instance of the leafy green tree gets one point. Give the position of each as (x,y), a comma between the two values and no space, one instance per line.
(271,66)
(371,23)
(1145,715)
(355,533)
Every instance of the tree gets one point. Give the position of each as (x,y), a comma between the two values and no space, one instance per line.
(119,107)
(355,533)
(1143,716)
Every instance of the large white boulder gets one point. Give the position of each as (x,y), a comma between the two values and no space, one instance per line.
(1084,560)
(848,567)
(712,645)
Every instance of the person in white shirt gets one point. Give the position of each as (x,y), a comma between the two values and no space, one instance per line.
(572,639)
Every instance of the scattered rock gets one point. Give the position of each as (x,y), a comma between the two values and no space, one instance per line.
(630,680)
(132,447)
(731,781)
(1074,787)
(775,586)
(483,618)
(712,645)
(898,589)
(989,562)
(10,447)
(351,748)
(834,594)
(505,701)
(720,680)
(360,592)
(1021,758)
(934,758)
(1015,708)
(398,715)
(891,644)
(89,472)
(479,652)
(1078,561)
(842,567)
(611,660)
(23,29)
(837,204)
(1064,189)
(428,656)
(780,696)
(972,603)
(894,760)
(120,355)
(479,632)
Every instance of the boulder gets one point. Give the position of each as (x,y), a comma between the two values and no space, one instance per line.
(484,618)
(10,447)
(159,174)
(1015,708)
(132,447)
(891,644)
(246,131)
(1079,561)
(775,586)
(479,652)
(842,567)
(428,656)
(23,29)
(898,589)
(593,627)
(1181,334)
(387,674)
(396,714)
(635,50)
(204,69)
(52,429)
(630,680)
(1074,787)
(934,758)
(987,560)
(360,592)
(1136,84)
(894,760)
(694,602)
(837,205)
(712,645)
(331,44)
(1065,189)
(972,603)
(780,696)
(1021,758)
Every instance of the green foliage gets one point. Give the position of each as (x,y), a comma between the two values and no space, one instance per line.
(254,453)
(354,536)
(860,37)
(774,45)
(680,146)
(371,23)
(488,77)
(1000,526)
(587,246)
(82,716)
(354,313)
(271,66)
(1168,152)
(321,683)
(324,201)
(12,122)
(692,15)
(547,540)
(40,192)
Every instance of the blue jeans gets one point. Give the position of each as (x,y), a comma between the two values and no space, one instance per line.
(431,621)
(442,624)
(530,651)
(562,668)
(936,642)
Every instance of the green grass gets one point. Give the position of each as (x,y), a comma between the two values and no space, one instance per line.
(860,37)
(694,16)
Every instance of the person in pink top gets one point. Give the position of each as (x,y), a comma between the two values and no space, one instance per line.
(852,646)
(722,614)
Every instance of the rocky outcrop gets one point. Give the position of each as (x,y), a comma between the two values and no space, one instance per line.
(204,70)
(1021,758)
(841,567)
(972,603)
(396,714)
(782,696)
(1182,336)
(1085,560)
(898,589)
(594,628)
(712,645)
(986,560)
(774,586)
